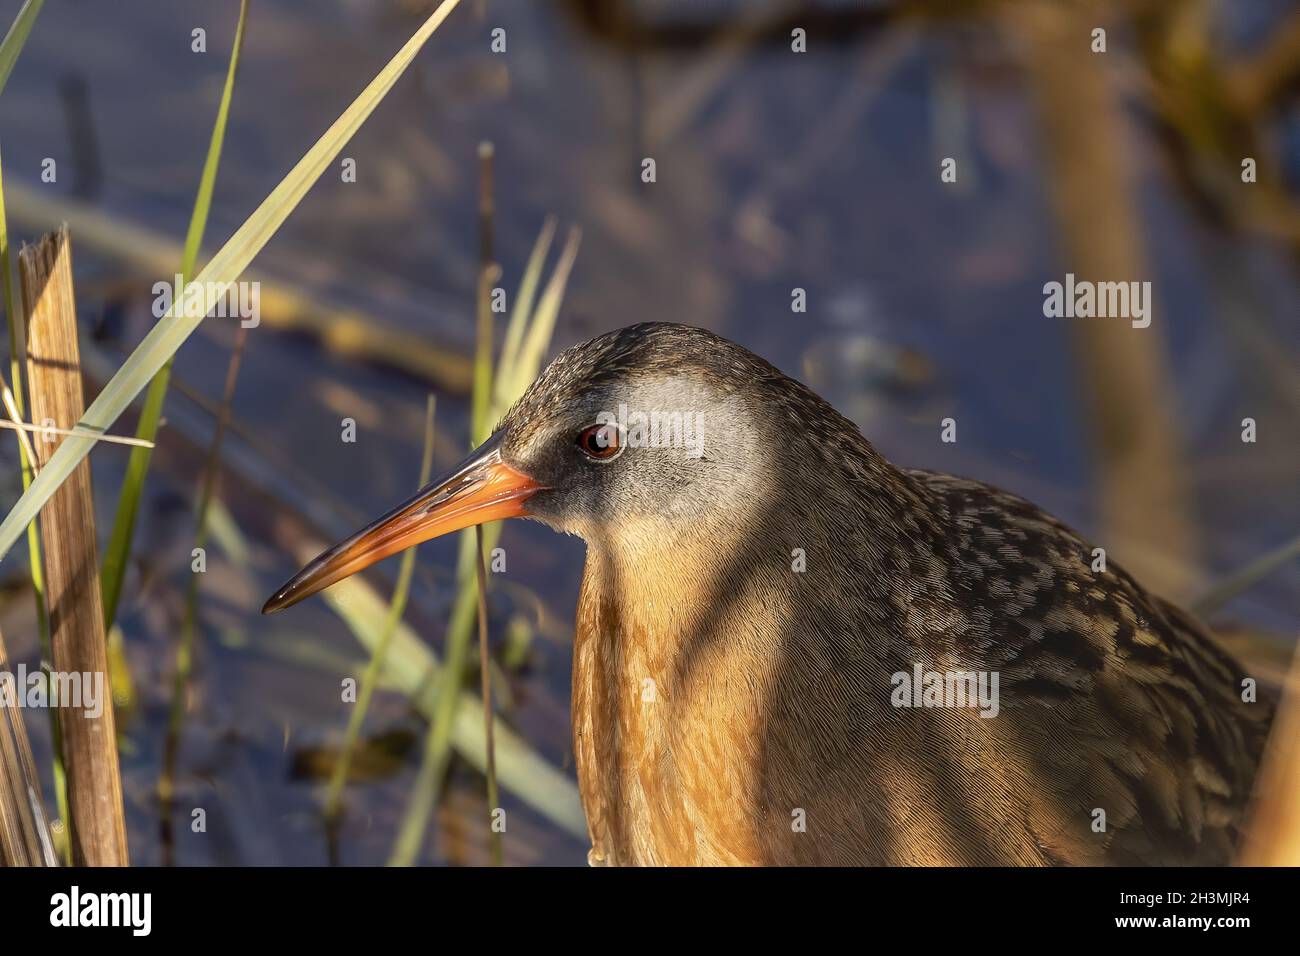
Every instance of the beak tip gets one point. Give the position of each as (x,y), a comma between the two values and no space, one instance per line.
(277,602)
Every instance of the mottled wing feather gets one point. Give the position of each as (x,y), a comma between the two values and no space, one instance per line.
(1124,700)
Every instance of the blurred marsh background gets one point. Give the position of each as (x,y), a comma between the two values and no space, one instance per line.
(775,170)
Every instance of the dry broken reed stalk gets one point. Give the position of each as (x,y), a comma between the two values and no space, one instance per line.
(96,823)
(24,837)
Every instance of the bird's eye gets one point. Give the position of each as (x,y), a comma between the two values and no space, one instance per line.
(602,442)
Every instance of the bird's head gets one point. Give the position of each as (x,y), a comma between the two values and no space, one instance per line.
(646,430)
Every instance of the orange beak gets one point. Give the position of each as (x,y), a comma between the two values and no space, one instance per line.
(481,488)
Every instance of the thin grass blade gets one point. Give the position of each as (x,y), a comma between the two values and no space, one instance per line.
(523,308)
(379,652)
(16,38)
(537,341)
(1247,577)
(118,552)
(438,741)
(412,667)
(163,340)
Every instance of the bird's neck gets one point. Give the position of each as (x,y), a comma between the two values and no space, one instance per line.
(684,631)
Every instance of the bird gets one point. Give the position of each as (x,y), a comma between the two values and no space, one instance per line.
(775,624)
